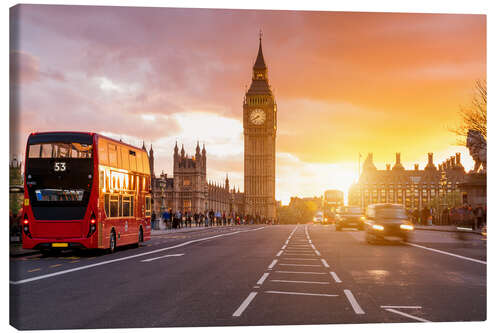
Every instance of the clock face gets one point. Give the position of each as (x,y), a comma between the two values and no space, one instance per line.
(257,116)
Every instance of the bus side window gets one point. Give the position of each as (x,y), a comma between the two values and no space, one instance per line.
(113,159)
(139,163)
(132,206)
(145,163)
(126,206)
(103,153)
(148,206)
(120,199)
(125,160)
(113,206)
(101,180)
(106,204)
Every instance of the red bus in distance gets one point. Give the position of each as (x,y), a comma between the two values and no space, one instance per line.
(84,190)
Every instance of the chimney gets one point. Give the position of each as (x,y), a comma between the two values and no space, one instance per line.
(388,167)
(453,161)
(398,158)
(416,166)
(457,158)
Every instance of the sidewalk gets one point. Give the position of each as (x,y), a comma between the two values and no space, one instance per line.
(174,231)
(444,228)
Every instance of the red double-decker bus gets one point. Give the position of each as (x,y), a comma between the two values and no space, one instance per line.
(84,190)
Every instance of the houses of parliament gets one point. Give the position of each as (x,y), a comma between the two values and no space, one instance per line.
(188,190)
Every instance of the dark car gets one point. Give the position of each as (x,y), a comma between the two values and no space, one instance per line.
(387,221)
(349,217)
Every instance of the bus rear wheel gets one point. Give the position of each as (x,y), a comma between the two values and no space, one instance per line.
(112,242)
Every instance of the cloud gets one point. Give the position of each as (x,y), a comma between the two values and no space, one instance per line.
(24,68)
(344,82)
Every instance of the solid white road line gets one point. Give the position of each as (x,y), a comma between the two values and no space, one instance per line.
(245,304)
(292,293)
(272,264)
(299,265)
(284,247)
(355,306)
(46,276)
(448,253)
(279,253)
(325,263)
(312,245)
(409,316)
(335,277)
(168,255)
(293,272)
(290,281)
(401,306)
(263,278)
(317,253)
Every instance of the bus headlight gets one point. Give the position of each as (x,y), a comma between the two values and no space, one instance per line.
(406,226)
(378,227)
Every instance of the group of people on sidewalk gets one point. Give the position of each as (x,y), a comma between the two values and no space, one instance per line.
(464,215)
(176,220)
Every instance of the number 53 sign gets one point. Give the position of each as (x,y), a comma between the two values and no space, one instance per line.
(60,166)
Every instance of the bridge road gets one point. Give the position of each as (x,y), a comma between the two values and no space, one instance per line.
(254,275)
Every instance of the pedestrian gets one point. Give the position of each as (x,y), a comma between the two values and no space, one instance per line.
(178,220)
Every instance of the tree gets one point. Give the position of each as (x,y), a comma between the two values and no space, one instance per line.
(473,115)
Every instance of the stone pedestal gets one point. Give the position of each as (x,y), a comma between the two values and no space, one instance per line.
(474,189)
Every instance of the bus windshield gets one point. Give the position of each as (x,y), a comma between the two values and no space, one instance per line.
(60,150)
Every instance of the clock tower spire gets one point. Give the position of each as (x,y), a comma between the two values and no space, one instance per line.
(259,122)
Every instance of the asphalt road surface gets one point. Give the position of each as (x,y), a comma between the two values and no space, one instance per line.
(254,275)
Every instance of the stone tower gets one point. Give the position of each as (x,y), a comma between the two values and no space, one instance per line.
(259,124)
(189,180)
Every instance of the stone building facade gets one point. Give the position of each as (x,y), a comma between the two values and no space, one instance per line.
(188,189)
(415,189)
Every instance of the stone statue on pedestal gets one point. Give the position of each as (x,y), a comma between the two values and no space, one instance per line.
(476,143)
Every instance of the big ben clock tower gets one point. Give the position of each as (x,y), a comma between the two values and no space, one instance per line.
(259,124)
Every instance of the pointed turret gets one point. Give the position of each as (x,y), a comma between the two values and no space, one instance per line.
(183,153)
(260,64)
(176,149)
(143,145)
(227,183)
(430,163)
(151,160)
(197,149)
(398,165)
(260,84)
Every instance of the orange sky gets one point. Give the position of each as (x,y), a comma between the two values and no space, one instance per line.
(344,83)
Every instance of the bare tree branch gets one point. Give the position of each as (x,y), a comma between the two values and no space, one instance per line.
(473,116)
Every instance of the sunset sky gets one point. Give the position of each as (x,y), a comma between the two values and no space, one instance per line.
(345,83)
